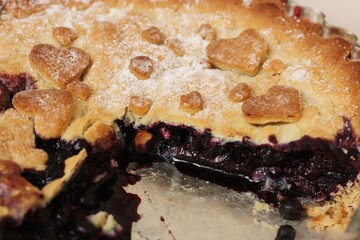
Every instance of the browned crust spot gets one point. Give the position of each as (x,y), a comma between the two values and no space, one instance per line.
(141,67)
(101,136)
(206,32)
(139,105)
(142,140)
(239,93)
(175,46)
(274,67)
(79,90)
(153,35)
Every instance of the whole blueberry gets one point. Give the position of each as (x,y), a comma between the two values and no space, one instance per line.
(80,144)
(62,215)
(286,232)
(88,201)
(86,228)
(5,101)
(291,209)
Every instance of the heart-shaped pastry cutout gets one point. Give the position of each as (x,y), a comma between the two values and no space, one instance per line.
(243,54)
(51,109)
(279,104)
(58,66)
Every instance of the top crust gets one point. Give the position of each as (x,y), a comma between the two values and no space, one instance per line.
(318,68)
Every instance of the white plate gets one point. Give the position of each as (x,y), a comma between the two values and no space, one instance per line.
(344,14)
(176,206)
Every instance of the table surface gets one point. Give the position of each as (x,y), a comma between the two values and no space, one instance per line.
(345,14)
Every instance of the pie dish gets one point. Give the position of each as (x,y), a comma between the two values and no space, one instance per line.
(241,88)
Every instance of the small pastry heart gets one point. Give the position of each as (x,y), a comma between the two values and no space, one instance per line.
(243,54)
(153,35)
(63,35)
(58,66)
(51,109)
(139,105)
(141,67)
(279,104)
(192,102)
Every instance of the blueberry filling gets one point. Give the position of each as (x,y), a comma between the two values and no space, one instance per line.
(309,167)
(96,187)
(58,151)
(17,82)
(5,101)
(66,216)
(10,84)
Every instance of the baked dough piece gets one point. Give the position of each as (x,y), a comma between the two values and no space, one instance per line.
(122,55)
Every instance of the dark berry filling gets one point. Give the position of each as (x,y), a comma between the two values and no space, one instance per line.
(97,186)
(58,151)
(5,101)
(66,216)
(17,82)
(309,167)
(277,173)
(10,84)
(297,12)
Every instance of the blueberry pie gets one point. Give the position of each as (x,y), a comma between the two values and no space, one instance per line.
(251,89)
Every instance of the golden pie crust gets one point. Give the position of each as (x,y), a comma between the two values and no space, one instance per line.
(176,61)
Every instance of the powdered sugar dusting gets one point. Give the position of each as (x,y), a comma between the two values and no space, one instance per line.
(299,72)
(247,3)
(253,59)
(112,37)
